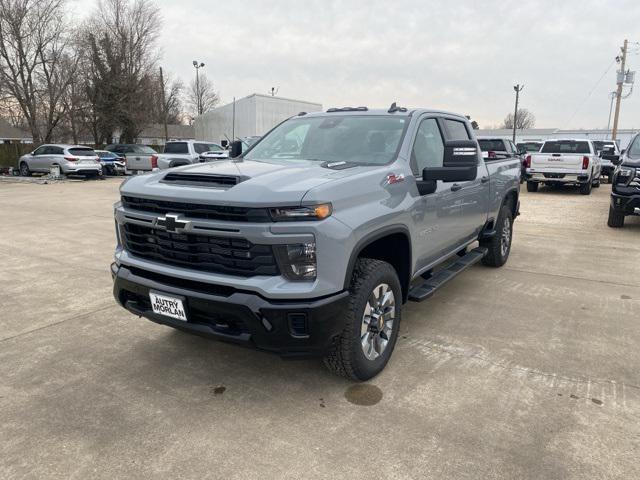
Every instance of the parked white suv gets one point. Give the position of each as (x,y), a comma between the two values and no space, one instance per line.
(72,160)
(564,161)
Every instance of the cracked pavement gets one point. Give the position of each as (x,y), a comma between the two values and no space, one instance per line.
(529,371)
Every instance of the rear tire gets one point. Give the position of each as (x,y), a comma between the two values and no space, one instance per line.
(585,188)
(500,244)
(616,219)
(24,170)
(532,186)
(365,345)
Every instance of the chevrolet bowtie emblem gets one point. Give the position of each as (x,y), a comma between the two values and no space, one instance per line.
(171,223)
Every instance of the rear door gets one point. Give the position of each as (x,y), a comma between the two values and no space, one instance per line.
(55,156)
(558,155)
(471,197)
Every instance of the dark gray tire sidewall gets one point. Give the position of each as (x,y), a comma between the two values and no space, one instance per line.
(24,169)
(363,367)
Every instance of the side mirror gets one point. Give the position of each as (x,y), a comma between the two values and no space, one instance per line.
(236,149)
(460,163)
(616,160)
(622,151)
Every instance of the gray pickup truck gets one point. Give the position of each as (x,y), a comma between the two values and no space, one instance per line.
(309,242)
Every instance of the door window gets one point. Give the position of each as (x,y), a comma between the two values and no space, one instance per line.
(457,130)
(55,151)
(40,150)
(428,147)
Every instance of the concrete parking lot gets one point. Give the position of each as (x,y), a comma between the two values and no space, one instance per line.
(528,371)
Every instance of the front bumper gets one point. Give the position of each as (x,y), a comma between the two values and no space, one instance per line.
(289,328)
(627,204)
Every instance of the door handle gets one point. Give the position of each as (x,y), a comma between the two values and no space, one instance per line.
(455,187)
(484,179)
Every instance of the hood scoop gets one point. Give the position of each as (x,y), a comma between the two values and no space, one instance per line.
(338,165)
(202,179)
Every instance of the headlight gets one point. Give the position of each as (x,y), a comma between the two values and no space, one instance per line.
(623,175)
(292,214)
(297,261)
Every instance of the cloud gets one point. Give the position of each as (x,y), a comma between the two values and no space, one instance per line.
(460,56)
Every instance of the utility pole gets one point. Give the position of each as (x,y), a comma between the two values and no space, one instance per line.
(518,88)
(620,79)
(164,108)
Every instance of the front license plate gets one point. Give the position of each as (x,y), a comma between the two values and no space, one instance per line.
(167,306)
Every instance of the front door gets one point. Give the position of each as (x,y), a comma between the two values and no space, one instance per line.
(437,216)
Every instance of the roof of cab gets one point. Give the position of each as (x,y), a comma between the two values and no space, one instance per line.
(380,112)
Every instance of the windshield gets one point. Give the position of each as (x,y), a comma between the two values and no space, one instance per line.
(529,146)
(176,147)
(106,154)
(565,146)
(364,140)
(492,145)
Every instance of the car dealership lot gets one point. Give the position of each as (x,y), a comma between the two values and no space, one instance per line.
(528,371)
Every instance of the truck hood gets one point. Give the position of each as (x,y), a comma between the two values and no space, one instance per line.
(259,183)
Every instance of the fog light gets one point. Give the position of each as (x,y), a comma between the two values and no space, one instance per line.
(297,261)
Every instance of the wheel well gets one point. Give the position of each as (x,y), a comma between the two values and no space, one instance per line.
(395,249)
(511,199)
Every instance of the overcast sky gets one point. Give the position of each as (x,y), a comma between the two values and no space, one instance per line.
(456,55)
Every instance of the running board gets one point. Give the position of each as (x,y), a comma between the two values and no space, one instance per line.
(427,288)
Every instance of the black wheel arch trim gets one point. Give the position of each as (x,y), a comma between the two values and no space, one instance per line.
(368,240)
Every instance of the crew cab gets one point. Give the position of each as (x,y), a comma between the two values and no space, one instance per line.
(625,185)
(563,162)
(185,152)
(309,242)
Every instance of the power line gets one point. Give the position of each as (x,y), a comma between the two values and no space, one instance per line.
(590,92)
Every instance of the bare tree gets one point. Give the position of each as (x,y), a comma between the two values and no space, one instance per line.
(36,65)
(525,119)
(121,41)
(203,94)
(172,99)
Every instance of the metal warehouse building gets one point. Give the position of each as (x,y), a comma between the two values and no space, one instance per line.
(254,115)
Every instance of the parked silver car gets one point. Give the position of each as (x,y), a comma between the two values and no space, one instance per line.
(72,160)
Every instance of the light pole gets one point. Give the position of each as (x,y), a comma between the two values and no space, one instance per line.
(198,66)
(518,88)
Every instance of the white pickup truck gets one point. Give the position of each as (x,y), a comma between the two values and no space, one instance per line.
(186,152)
(563,162)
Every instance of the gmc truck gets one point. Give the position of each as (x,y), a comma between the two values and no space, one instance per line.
(309,242)
(564,162)
(625,185)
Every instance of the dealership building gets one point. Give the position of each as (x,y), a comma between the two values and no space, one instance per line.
(253,115)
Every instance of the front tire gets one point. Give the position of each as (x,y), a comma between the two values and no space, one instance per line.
(616,219)
(532,186)
(372,322)
(499,245)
